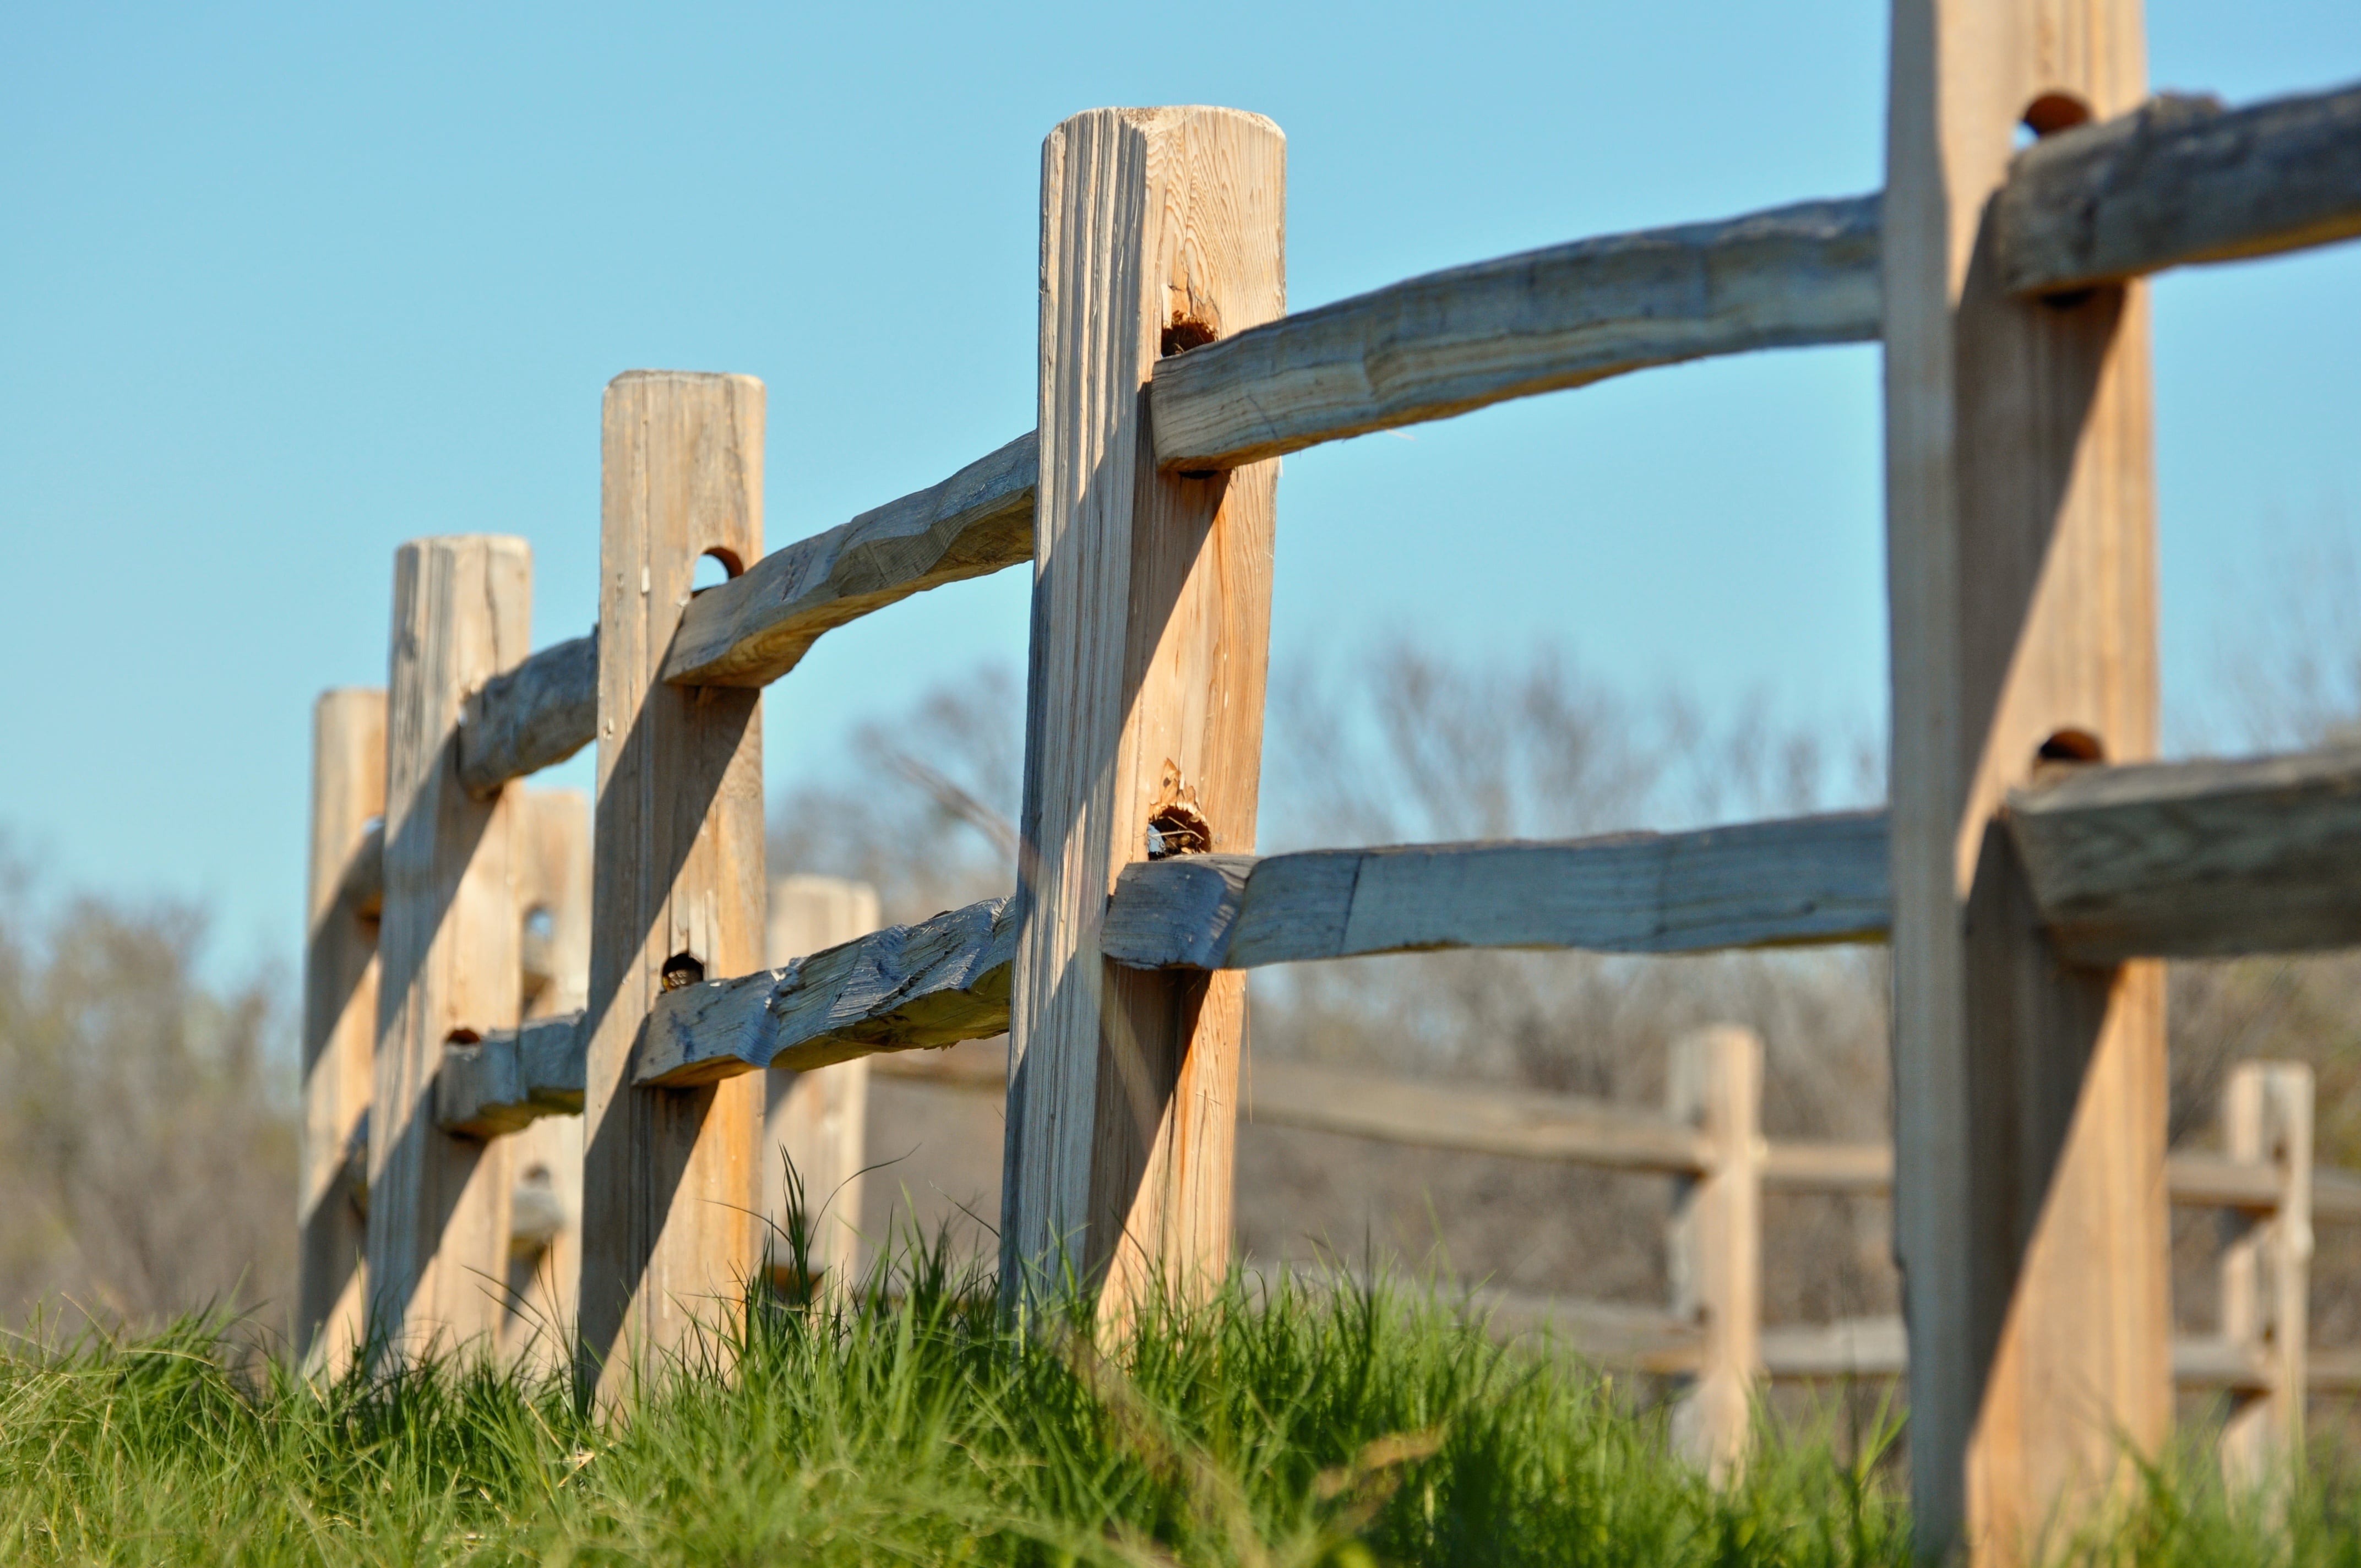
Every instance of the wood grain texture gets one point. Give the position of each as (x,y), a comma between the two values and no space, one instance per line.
(906,988)
(1815,879)
(340,988)
(672,1186)
(1713,1243)
(531,717)
(1150,641)
(1449,342)
(816,1120)
(512,1078)
(755,627)
(2180,180)
(2266,1270)
(2195,859)
(2029,1095)
(449,939)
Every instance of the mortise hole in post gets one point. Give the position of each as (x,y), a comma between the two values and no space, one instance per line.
(2054,112)
(2071,746)
(462,1037)
(540,924)
(1185,334)
(1178,830)
(683,969)
(714,568)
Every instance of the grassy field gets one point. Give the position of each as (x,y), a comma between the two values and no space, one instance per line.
(1297,1426)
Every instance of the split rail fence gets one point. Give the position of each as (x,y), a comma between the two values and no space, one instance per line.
(1710,1140)
(2032,867)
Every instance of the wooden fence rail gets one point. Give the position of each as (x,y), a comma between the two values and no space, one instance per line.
(2002,286)
(2265,1185)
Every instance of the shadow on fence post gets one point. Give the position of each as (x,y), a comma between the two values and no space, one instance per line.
(671,1191)
(1161,229)
(448,939)
(340,985)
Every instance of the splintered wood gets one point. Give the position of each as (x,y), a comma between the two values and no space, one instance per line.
(1160,229)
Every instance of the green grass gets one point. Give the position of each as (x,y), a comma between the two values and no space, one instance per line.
(1293,1426)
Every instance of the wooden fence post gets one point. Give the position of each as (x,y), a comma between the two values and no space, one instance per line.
(1161,229)
(818,1119)
(438,1212)
(2031,1219)
(671,1187)
(1716,1254)
(2267,1268)
(545,1210)
(340,984)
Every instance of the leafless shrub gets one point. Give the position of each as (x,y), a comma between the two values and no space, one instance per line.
(148,1135)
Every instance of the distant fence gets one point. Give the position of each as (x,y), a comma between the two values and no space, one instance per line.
(1711,1142)
(2031,865)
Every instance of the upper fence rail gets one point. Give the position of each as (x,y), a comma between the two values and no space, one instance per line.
(2179,181)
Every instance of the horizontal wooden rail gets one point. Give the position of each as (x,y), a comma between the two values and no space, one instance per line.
(2159,850)
(1434,1115)
(2196,860)
(2178,181)
(756,626)
(905,988)
(1448,342)
(512,1077)
(532,717)
(1816,879)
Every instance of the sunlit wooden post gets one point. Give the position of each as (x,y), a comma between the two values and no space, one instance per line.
(1161,229)
(340,984)
(2267,1268)
(438,1208)
(546,1211)
(672,1191)
(2029,1095)
(817,1119)
(1716,1254)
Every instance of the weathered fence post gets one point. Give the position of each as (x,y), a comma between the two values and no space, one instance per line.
(2267,1268)
(340,984)
(546,1211)
(2031,1221)
(671,1189)
(438,1210)
(1716,1252)
(818,1119)
(1161,229)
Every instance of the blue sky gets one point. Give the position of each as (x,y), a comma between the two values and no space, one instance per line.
(281,287)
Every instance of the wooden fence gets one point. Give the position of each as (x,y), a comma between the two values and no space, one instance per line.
(1709,1141)
(2032,867)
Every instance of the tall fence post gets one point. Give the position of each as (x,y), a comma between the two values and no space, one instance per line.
(438,1208)
(671,1189)
(2031,1220)
(819,1118)
(2267,1268)
(1161,229)
(340,986)
(545,1210)
(1716,1252)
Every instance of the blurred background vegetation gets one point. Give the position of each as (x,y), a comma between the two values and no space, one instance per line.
(148,1126)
